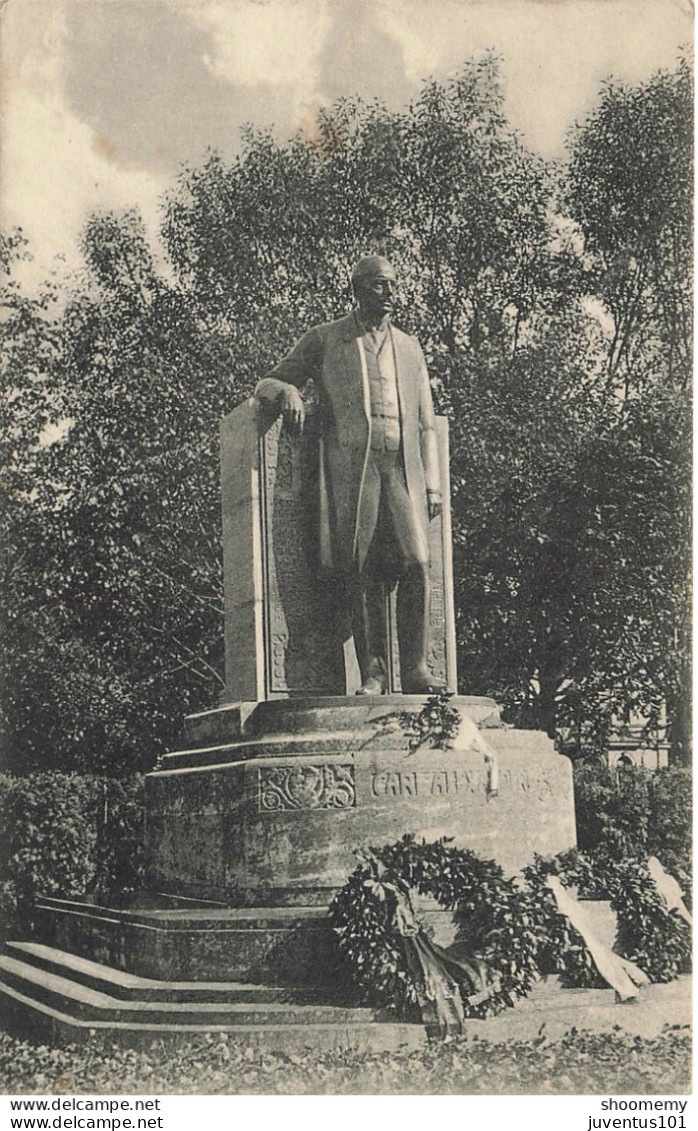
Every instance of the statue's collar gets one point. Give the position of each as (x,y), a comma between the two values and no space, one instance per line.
(356,327)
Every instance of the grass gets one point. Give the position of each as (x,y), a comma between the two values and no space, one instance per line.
(580,1062)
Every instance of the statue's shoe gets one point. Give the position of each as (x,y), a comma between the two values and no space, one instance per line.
(423,684)
(374,685)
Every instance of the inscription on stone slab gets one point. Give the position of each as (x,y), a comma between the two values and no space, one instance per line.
(304,620)
(403,784)
(306,787)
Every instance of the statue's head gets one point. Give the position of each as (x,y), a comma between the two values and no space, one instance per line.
(374,282)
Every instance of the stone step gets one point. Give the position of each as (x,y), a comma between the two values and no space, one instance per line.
(132,987)
(549,994)
(592,1010)
(29,1017)
(291,746)
(269,945)
(198,918)
(658,1006)
(82,1002)
(327,743)
(317,715)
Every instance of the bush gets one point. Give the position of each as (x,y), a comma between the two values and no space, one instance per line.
(68,834)
(659,943)
(635,812)
(612,808)
(670,823)
(120,836)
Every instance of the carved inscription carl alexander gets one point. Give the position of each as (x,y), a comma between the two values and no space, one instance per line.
(306,787)
(436,783)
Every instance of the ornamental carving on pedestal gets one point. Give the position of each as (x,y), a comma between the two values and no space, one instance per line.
(306,787)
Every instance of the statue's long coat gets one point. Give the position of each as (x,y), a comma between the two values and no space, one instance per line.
(332,355)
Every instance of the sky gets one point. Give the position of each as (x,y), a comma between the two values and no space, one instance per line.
(102,101)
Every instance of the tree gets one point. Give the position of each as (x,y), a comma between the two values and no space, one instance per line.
(127,588)
(30,406)
(593,614)
(630,189)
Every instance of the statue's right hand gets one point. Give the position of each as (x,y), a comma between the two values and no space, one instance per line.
(292,409)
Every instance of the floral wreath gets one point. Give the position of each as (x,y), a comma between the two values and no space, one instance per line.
(392,956)
(649,932)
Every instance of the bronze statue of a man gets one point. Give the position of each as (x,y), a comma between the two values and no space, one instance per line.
(379,469)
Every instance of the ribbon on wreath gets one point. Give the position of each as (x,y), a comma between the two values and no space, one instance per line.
(470,737)
(669,890)
(443,982)
(620,973)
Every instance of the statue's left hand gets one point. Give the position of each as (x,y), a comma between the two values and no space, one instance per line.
(435,506)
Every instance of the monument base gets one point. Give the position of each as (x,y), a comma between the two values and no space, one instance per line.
(268,804)
(266,807)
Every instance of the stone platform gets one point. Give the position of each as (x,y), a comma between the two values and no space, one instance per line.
(268,804)
(57,996)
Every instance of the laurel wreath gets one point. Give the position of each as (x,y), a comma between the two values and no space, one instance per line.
(491,915)
(648,933)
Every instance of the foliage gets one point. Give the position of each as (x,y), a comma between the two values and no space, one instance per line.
(612,1063)
(115,623)
(670,824)
(632,811)
(629,185)
(435,726)
(658,941)
(29,402)
(611,808)
(118,861)
(490,913)
(573,590)
(68,834)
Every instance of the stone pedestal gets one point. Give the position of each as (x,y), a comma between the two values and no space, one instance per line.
(270,807)
(286,632)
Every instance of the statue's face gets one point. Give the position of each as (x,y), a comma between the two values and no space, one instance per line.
(375,292)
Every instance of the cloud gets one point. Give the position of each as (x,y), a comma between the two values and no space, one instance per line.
(275,43)
(56,168)
(102,100)
(361,55)
(555,53)
(266,56)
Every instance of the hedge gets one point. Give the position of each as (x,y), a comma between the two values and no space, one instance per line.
(635,812)
(68,834)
